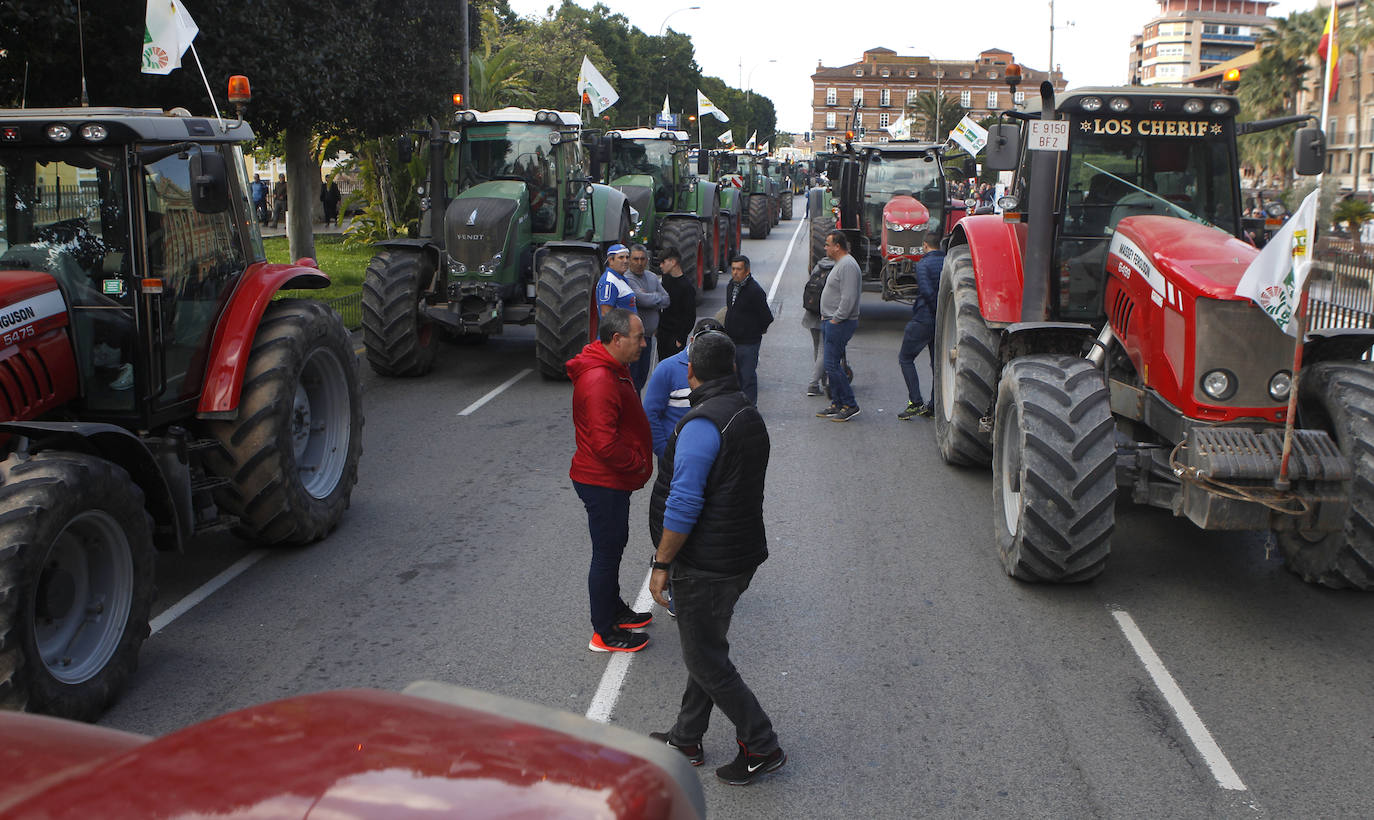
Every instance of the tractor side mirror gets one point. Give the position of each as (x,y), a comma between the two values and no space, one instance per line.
(703,163)
(970,168)
(209,183)
(1309,151)
(1004,142)
(405,149)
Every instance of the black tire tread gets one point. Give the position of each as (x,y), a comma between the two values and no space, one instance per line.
(684,236)
(391,317)
(760,223)
(562,309)
(962,439)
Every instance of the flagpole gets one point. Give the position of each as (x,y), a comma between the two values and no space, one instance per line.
(206,80)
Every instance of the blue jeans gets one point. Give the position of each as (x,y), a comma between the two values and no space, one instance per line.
(837,338)
(919,333)
(608,520)
(705,604)
(747,363)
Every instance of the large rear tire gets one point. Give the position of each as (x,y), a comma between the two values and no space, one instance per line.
(684,236)
(965,366)
(76,582)
(1339,398)
(291,456)
(562,309)
(760,223)
(787,206)
(1054,470)
(400,341)
(820,229)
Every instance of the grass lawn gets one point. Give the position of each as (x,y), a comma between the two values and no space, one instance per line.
(344,265)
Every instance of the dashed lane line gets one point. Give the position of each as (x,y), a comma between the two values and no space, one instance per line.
(475,406)
(777,278)
(204,591)
(613,679)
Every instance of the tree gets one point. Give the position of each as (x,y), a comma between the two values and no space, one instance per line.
(550,53)
(1270,88)
(935,115)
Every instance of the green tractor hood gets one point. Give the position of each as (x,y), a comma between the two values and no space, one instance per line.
(484,225)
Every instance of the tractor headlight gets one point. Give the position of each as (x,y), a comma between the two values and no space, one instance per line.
(1219,384)
(94,132)
(1220,107)
(57,132)
(424,203)
(1090,103)
(892,226)
(1280,385)
(1008,202)
(1120,105)
(1192,106)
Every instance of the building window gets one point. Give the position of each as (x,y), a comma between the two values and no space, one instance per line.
(859,121)
(966,99)
(911,96)
(992,100)
(830,120)
(886,73)
(1369,163)
(830,96)
(1018,97)
(992,75)
(1349,130)
(858,72)
(911,72)
(883,120)
(1349,160)
(885,97)
(859,96)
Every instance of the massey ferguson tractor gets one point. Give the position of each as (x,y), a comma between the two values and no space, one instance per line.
(151,388)
(745,172)
(512,231)
(1090,343)
(677,210)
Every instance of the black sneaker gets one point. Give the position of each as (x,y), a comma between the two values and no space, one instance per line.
(832,410)
(912,410)
(618,640)
(745,767)
(926,410)
(629,619)
(691,751)
(845,414)
(813,389)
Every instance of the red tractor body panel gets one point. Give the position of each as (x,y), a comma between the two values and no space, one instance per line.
(37,362)
(911,216)
(998,250)
(234,335)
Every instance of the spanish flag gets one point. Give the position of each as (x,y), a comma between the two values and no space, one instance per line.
(1328,50)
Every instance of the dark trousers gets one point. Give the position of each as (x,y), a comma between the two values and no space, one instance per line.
(608,520)
(705,603)
(919,333)
(670,342)
(747,365)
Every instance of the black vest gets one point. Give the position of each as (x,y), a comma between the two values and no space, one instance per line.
(729,535)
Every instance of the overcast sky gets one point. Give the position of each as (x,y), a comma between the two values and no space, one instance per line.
(1091,37)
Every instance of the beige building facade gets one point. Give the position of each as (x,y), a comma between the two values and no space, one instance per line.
(1188,37)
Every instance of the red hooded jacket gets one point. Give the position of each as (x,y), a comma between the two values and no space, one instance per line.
(614,445)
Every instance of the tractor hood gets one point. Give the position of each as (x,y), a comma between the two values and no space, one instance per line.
(481,224)
(905,212)
(1169,252)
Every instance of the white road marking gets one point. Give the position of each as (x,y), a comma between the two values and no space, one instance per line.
(1202,739)
(791,243)
(613,679)
(204,591)
(475,406)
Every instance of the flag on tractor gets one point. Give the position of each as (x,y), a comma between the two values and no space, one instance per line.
(901,129)
(666,112)
(727,137)
(1274,279)
(764,148)
(753,138)
(599,92)
(1329,51)
(167,32)
(705,106)
(971,136)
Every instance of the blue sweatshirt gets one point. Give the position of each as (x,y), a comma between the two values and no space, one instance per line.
(697,447)
(665,398)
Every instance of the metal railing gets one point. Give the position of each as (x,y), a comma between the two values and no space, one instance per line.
(1341,290)
(349,307)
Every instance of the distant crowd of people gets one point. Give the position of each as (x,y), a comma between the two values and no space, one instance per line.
(270,200)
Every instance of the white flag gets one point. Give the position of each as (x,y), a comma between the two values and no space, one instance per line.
(752,139)
(901,129)
(167,32)
(764,148)
(971,136)
(726,137)
(599,92)
(705,106)
(1275,277)
(666,112)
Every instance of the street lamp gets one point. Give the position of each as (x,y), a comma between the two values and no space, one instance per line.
(749,84)
(671,13)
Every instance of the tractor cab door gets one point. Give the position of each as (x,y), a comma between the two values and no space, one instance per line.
(193,261)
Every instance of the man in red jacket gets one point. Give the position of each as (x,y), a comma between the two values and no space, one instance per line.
(614,458)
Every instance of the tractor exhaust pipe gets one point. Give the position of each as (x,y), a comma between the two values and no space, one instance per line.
(1035,298)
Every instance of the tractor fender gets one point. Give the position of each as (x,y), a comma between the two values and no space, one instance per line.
(729,199)
(608,209)
(815,199)
(998,250)
(119,446)
(708,203)
(1027,338)
(238,325)
(425,247)
(1336,344)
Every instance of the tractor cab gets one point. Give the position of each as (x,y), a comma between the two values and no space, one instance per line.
(650,167)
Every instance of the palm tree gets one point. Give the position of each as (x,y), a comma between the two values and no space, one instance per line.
(1293,40)
(934,115)
(495,81)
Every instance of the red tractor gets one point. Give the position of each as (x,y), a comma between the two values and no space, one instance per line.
(152,387)
(1090,342)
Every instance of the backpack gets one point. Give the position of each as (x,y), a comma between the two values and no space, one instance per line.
(811,291)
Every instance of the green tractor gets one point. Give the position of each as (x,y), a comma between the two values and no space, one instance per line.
(512,231)
(779,172)
(746,172)
(677,210)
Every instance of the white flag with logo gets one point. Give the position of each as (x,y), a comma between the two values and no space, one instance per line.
(764,148)
(726,137)
(971,136)
(705,106)
(167,32)
(901,129)
(1274,279)
(599,92)
(752,139)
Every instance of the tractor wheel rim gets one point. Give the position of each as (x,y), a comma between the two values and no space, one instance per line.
(321,423)
(1010,474)
(83,597)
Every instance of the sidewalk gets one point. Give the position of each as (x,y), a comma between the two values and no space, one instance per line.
(280,230)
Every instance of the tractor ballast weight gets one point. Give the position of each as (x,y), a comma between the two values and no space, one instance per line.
(1091,342)
(513,230)
(151,388)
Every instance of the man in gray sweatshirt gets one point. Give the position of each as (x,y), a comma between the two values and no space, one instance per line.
(839,320)
(650,298)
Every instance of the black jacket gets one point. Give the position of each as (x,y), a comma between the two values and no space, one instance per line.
(747,316)
(728,536)
(676,320)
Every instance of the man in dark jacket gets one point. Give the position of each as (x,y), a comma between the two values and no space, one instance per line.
(613,459)
(920,330)
(706,516)
(675,321)
(747,318)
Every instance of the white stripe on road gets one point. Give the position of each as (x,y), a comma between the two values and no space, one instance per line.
(791,243)
(204,591)
(613,679)
(1192,724)
(477,405)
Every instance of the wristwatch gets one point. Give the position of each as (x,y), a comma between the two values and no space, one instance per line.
(657,564)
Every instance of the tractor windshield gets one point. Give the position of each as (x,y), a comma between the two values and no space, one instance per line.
(1190,173)
(914,176)
(641,157)
(508,151)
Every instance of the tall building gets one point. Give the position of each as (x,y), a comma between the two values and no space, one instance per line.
(1191,36)
(883,83)
(1349,122)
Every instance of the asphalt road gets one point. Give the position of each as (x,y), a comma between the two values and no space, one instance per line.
(906,674)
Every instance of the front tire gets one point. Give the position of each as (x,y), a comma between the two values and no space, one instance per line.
(1054,470)
(820,229)
(562,310)
(759,220)
(965,366)
(787,206)
(1339,398)
(291,456)
(400,341)
(76,583)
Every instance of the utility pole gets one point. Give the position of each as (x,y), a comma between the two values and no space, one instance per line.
(467,57)
(1050,69)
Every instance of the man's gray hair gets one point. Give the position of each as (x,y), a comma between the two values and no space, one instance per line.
(712,356)
(637,248)
(616,320)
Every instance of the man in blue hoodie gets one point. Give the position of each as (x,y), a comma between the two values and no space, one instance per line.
(920,330)
(665,396)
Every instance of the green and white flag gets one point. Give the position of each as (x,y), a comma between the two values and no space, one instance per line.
(726,137)
(971,136)
(167,32)
(1274,279)
(599,92)
(705,106)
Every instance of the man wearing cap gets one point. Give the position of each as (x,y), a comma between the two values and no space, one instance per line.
(665,396)
(612,291)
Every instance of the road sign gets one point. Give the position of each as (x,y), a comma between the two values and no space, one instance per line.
(1048,135)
